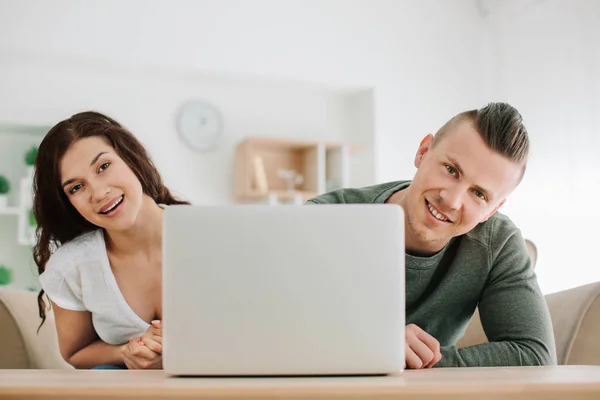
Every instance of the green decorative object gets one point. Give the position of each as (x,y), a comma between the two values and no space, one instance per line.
(5,275)
(32,221)
(31,155)
(4,185)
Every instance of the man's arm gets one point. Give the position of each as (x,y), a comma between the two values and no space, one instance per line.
(514,316)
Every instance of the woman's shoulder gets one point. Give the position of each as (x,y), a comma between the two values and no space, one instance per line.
(86,247)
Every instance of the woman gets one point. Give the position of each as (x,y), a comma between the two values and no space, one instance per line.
(98,202)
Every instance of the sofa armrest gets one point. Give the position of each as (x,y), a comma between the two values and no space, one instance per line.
(41,348)
(576,320)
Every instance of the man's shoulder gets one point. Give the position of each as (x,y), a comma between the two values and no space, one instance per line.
(370,194)
(494,232)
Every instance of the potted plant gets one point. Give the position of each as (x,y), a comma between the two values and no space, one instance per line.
(32,221)
(30,160)
(4,189)
(5,275)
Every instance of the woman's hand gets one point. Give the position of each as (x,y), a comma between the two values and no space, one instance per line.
(152,338)
(144,352)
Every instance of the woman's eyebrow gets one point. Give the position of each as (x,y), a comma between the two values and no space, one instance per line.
(69,181)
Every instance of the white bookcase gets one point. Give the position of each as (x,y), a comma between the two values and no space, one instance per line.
(16,232)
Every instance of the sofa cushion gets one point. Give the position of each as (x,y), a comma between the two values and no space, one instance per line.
(576,319)
(41,347)
(14,353)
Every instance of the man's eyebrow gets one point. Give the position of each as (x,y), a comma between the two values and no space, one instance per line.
(69,181)
(460,171)
(456,164)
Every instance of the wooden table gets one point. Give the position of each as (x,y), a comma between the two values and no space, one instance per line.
(564,382)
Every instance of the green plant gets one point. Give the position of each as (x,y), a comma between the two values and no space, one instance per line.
(32,221)
(31,155)
(4,185)
(5,275)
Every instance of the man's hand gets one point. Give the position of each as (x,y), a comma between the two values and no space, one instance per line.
(422,349)
(144,352)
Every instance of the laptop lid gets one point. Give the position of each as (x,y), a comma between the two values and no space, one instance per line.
(283,290)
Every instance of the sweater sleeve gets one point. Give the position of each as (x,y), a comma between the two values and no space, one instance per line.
(513,312)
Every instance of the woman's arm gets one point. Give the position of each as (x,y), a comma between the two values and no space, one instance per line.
(78,342)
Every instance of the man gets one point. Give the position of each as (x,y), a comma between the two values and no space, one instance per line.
(461,253)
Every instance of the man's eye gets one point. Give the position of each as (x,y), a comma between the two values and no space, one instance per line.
(75,188)
(451,170)
(103,167)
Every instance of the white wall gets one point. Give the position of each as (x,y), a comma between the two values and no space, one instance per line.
(545,57)
(422,57)
(147,102)
(274,67)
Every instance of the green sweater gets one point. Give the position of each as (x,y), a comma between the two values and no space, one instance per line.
(488,267)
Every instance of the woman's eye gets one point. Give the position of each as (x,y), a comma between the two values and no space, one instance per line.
(451,170)
(75,188)
(103,167)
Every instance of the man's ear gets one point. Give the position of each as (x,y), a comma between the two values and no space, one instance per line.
(424,147)
(493,211)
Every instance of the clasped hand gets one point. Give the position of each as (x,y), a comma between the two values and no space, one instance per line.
(144,352)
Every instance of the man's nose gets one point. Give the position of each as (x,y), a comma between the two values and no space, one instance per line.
(453,197)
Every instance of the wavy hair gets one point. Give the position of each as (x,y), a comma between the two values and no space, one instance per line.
(58,221)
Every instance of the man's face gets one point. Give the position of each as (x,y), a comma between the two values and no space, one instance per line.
(459,183)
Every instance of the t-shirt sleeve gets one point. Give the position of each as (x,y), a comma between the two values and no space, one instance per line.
(62,283)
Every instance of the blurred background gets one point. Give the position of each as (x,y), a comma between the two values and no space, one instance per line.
(338,91)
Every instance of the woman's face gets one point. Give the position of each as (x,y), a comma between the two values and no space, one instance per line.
(100,185)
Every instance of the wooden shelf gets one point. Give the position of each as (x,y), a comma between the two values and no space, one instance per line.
(261,166)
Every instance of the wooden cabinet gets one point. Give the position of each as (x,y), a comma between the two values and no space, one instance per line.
(279,171)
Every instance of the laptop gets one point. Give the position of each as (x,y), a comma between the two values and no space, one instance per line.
(257,290)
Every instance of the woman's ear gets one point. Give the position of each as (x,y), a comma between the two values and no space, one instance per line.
(424,147)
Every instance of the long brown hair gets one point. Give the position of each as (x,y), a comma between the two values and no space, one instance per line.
(58,221)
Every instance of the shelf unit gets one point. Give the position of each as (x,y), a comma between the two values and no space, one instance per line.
(25,232)
(265,169)
(10,211)
(15,140)
(16,234)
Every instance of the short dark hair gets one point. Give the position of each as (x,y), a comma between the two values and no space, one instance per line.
(501,127)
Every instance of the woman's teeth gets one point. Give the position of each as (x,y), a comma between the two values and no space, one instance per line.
(113,206)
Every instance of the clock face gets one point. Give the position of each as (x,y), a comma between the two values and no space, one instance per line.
(200,125)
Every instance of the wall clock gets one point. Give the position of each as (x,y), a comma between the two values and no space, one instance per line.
(200,125)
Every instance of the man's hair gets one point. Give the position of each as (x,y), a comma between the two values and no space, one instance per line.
(501,127)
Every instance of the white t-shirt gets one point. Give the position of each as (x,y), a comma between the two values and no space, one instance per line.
(78,277)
